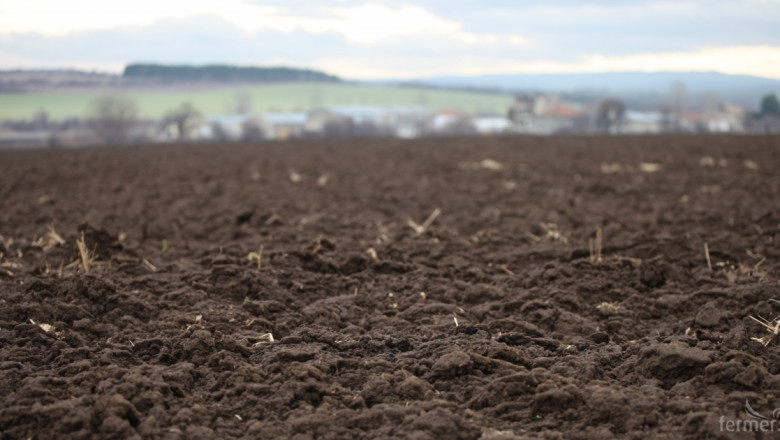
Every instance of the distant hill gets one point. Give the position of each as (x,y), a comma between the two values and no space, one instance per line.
(19,81)
(613,81)
(224,73)
(640,90)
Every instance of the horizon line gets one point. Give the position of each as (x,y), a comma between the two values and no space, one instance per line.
(120,73)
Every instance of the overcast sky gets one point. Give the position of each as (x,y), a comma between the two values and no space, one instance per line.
(398,39)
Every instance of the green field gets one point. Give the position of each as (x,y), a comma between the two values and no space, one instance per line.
(154,104)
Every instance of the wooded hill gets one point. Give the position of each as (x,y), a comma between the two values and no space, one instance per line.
(225,73)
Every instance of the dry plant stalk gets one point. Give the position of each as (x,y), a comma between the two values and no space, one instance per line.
(533,237)
(707,256)
(54,237)
(50,240)
(420,229)
(148,265)
(505,268)
(596,247)
(87,257)
(264,339)
(260,257)
(428,221)
(773,327)
(733,274)
(754,272)
(553,233)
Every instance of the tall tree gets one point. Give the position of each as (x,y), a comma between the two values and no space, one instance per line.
(770,105)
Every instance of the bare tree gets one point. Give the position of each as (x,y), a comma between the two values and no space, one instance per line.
(461,125)
(243,104)
(252,131)
(678,94)
(183,118)
(610,115)
(111,119)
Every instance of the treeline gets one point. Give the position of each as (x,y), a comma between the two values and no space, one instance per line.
(225,73)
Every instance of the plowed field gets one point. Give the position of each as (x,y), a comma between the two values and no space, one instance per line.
(442,288)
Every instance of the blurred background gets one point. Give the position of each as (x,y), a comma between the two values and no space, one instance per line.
(85,72)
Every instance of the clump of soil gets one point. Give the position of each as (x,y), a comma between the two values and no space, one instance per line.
(296,290)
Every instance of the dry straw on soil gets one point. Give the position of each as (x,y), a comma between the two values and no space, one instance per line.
(707,256)
(772,327)
(87,256)
(420,229)
(553,233)
(50,240)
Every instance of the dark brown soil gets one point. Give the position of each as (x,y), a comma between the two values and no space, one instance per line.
(493,323)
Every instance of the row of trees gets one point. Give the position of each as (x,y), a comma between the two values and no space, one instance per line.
(223,73)
(610,112)
(113,118)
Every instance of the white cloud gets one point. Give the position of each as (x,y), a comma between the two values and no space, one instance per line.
(364,23)
(380,39)
(52,17)
(744,60)
(519,40)
(372,22)
(15,61)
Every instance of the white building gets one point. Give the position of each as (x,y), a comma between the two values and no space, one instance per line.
(282,125)
(635,122)
(228,127)
(488,125)
(361,120)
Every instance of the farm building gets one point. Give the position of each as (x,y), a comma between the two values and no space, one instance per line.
(283,126)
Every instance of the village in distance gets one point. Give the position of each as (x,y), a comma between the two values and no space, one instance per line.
(114,118)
